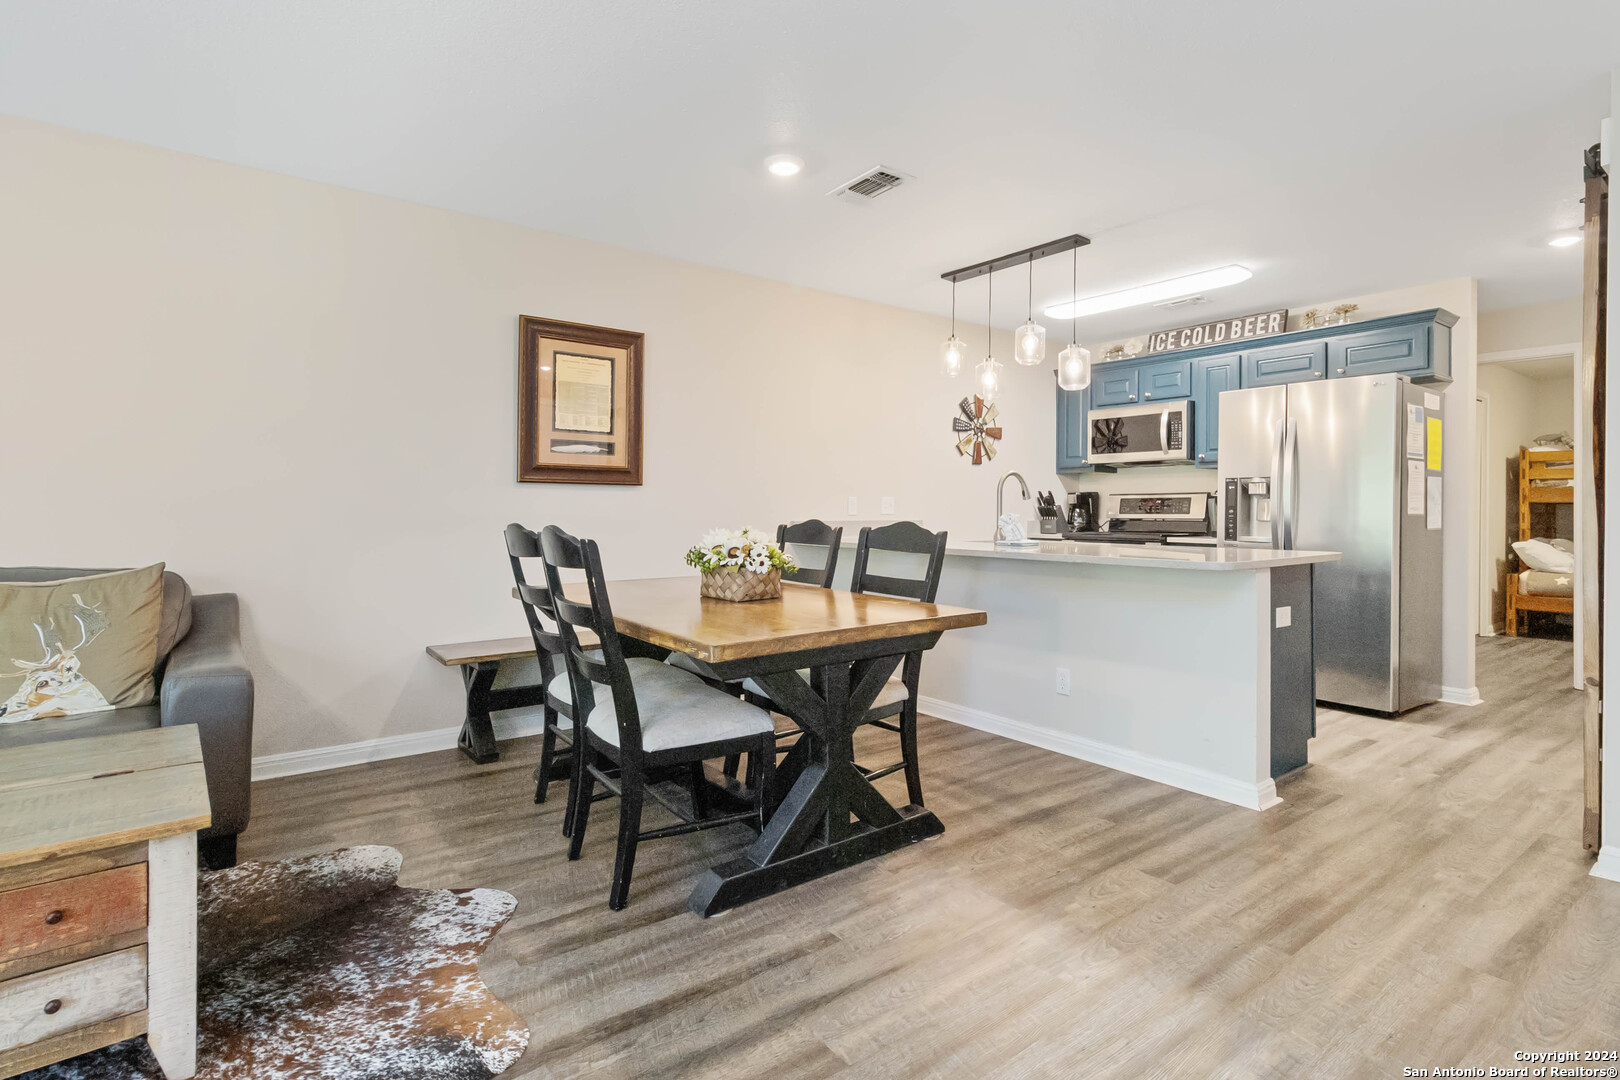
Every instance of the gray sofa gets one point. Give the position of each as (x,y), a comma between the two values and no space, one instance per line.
(202,679)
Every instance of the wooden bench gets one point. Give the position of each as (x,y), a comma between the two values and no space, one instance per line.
(479,662)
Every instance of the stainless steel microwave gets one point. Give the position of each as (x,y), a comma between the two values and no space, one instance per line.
(1141,433)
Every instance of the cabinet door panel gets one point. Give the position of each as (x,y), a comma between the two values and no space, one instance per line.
(1073,433)
(1213,375)
(1113,384)
(1294,362)
(1400,348)
(1165,381)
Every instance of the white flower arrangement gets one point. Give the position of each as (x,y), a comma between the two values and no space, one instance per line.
(741,549)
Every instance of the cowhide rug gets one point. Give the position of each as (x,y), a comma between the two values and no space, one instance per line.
(323,968)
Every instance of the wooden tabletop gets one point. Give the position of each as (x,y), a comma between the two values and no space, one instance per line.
(62,798)
(669,613)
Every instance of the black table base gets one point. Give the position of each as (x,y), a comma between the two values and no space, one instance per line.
(828,815)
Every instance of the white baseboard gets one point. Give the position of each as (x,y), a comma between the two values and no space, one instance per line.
(1608,864)
(1251,796)
(510,725)
(1459,695)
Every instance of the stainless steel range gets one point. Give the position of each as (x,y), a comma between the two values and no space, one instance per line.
(1155,518)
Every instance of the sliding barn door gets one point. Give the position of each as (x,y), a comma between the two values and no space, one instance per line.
(1590,439)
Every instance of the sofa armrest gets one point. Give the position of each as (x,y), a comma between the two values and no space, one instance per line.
(207,683)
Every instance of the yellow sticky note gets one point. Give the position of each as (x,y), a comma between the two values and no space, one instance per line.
(1434,443)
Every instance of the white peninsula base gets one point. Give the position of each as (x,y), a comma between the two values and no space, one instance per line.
(1177,664)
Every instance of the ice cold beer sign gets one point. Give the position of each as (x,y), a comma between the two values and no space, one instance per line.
(1218,333)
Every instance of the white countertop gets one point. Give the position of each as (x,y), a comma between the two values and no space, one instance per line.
(1170,556)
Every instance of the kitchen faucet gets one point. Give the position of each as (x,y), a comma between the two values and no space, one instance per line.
(1001,489)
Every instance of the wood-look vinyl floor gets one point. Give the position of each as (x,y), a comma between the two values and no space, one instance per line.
(1420,899)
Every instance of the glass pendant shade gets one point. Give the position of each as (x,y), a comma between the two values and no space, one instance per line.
(1074,368)
(1029,344)
(953,356)
(987,377)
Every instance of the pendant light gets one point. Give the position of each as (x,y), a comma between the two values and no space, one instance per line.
(953,356)
(988,373)
(1029,340)
(1074,363)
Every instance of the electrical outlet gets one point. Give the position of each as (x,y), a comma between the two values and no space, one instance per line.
(854,506)
(1063,681)
(888,505)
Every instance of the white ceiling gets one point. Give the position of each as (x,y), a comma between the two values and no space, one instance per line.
(1334,149)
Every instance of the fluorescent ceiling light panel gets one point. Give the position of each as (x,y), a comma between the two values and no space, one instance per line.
(1150,294)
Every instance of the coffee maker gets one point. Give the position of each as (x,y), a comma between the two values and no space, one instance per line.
(1084,509)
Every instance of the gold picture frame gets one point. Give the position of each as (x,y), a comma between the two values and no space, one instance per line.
(579,403)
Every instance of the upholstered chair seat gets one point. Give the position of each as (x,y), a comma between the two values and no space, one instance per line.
(676,709)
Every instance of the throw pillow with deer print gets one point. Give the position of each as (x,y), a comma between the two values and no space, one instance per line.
(77,646)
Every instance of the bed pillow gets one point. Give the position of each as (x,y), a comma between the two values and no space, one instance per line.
(82,645)
(1553,556)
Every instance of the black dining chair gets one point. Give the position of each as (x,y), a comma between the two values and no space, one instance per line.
(898,698)
(640,715)
(523,543)
(812,533)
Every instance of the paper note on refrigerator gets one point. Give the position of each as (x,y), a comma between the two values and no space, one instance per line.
(1431,402)
(1414,431)
(1434,443)
(1434,502)
(1414,487)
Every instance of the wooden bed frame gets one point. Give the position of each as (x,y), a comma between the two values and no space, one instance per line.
(1557,464)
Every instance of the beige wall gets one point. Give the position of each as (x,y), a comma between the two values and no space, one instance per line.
(1532,326)
(306,395)
(1519,409)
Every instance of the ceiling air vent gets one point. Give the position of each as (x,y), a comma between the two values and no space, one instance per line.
(870,184)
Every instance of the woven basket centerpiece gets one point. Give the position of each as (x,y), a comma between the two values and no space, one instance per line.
(739,565)
(730,583)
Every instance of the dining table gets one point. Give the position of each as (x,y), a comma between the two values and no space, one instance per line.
(827,814)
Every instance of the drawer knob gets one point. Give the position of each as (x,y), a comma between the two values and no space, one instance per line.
(52,1006)
(53,918)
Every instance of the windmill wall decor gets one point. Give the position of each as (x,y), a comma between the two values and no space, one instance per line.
(976,433)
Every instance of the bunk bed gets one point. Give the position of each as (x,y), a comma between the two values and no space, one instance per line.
(1546,478)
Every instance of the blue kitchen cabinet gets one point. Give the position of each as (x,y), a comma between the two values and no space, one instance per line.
(1416,344)
(1294,361)
(1408,350)
(1072,431)
(1113,384)
(1211,376)
(1165,380)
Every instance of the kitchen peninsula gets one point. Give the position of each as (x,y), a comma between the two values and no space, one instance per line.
(1189,665)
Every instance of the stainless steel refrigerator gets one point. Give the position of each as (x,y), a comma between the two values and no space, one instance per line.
(1342,465)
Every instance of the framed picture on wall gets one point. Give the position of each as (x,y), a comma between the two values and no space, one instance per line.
(579,403)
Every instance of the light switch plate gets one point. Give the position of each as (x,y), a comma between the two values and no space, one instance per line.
(854,506)
(888,504)
(1285,616)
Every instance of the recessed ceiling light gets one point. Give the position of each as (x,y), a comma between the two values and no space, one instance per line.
(784,165)
(1150,294)
(1565,241)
